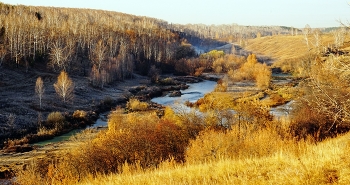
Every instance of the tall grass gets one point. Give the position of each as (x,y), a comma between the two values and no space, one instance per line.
(293,163)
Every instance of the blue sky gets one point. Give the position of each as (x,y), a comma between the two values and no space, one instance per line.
(296,13)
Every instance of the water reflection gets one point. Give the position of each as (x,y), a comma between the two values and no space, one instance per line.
(192,94)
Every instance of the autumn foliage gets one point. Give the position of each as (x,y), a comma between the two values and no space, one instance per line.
(64,87)
(254,71)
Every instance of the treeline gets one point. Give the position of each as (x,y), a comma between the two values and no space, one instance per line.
(229,32)
(106,45)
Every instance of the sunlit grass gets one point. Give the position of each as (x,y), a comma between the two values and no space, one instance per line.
(295,163)
(282,47)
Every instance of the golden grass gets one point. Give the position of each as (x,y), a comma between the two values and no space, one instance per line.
(285,47)
(296,163)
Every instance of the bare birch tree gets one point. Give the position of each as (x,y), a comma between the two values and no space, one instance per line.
(64,86)
(59,56)
(98,54)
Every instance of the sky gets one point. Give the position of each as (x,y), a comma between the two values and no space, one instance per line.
(295,13)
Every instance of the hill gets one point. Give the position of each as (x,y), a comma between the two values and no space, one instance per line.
(285,47)
(297,163)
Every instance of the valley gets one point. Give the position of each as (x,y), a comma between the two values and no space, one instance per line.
(154,102)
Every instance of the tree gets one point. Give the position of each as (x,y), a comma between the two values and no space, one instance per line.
(326,101)
(39,89)
(153,74)
(98,55)
(2,54)
(64,86)
(262,75)
(59,56)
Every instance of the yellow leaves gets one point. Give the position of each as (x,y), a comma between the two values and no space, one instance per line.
(227,63)
(141,118)
(170,115)
(217,101)
(252,70)
(213,55)
(251,60)
(262,75)
(116,120)
(64,86)
(136,105)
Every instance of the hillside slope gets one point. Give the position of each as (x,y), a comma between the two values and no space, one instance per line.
(294,164)
(287,47)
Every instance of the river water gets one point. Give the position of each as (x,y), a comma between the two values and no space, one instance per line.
(101,122)
(192,94)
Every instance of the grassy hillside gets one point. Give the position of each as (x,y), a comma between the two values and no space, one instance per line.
(291,53)
(294,163)
(279,47)
(286,47)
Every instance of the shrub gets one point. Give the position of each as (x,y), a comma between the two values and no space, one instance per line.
(136,139)
(236,143)
(79,114)
(307,122)
(167,81)
(55,120)
(107,101)
(154,74)
(252,70)
(136,105)
(221,86)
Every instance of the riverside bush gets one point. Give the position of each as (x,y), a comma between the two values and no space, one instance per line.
(55,120)
(136,105)
(79,114)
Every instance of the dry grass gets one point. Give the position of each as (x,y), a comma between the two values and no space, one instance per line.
(282,47)
(294,163)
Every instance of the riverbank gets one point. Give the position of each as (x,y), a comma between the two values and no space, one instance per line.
(139,87)
(21,116)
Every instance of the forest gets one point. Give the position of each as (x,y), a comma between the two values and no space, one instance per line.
(62,68)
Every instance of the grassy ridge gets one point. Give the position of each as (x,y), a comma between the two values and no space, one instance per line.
(283,47)
(296,163)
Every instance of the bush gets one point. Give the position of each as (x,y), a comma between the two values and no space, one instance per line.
(135,105)
(107,101)
(236,143)
(55,120)
(79,114)
(307,122)
(167,81)
(252,70)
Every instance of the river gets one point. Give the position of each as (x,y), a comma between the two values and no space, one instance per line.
(100,122)
(192,94)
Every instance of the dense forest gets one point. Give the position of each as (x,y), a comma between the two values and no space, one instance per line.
(107,45)
(79,40)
